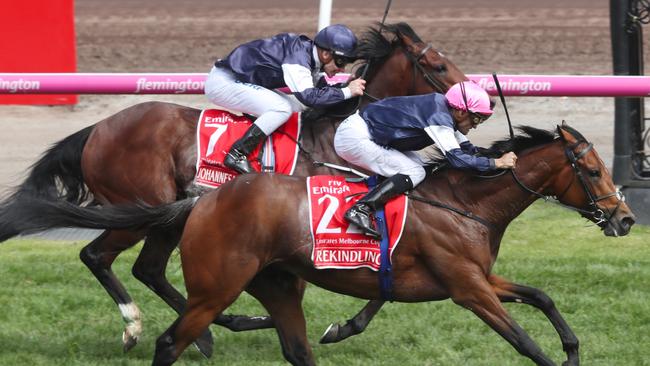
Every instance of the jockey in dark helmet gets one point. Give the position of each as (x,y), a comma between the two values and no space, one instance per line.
(245,81)
(340,40)
(385,136)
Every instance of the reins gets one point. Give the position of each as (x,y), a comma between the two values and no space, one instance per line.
(467,214)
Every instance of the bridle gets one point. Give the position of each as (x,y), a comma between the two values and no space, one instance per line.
(429,77)
(600,217)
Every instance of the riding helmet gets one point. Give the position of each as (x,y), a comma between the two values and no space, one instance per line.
(339,39)
(468,95)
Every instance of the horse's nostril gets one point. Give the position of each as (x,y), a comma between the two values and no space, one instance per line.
(627,222)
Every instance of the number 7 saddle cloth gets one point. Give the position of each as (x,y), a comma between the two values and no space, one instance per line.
(217,130)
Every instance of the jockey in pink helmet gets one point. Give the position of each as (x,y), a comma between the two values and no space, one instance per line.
(470,96)
(396,137)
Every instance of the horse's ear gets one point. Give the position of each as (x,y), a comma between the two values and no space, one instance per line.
(408,42)
(564,134)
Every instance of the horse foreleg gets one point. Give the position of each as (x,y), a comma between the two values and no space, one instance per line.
(336,332)
(476,294)
(98,256)
(281,294)
(511,292)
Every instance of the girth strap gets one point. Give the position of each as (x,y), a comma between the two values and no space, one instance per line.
(385,267)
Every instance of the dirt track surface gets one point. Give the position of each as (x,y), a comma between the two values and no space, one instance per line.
(506,36)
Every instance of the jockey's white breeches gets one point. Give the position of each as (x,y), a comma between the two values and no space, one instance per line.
(353,143)
(272,108)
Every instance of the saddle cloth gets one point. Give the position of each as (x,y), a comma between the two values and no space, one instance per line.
(217,130)
(337,243)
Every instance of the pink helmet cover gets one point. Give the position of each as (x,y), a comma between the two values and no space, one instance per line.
(478,100)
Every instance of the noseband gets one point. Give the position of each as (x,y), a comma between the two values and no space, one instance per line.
(593,211)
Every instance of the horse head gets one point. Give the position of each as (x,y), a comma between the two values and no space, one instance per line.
(403,64)
(565,167)
(585,183)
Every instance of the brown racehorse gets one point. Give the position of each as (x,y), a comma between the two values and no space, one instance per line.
(147,153)
(262,243)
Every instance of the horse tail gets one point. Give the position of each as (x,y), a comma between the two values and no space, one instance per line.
(57,174)
(34,214)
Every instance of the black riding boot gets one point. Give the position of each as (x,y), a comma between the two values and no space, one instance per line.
(359,214)
(237,157)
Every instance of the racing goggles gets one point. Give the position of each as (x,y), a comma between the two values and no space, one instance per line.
(477,118)
(341,61)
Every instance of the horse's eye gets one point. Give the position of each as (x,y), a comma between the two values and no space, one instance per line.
(440,68)
(594,173)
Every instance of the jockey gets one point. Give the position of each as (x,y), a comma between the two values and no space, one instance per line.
(385,136)
(245,81)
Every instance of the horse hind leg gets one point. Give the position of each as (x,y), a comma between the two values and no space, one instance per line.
(511,292)
(150,268)
(241,323)
(281,294)
(336,332)
(185,330)
(213,282)
(206,299)
(98,256)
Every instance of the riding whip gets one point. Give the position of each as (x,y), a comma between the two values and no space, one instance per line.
(503,101)
(381,27)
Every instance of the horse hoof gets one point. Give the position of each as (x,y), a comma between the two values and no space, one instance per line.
(204,344)
(573,358)
(129,341)
(331,334)
(240,323)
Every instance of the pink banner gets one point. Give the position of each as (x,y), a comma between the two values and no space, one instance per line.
(102,83)
(567,85)
(192,83)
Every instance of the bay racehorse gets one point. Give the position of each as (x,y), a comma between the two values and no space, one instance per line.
(147,153)
(262,243)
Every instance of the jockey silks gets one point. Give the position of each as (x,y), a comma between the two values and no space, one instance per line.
(412,123)
(283,60)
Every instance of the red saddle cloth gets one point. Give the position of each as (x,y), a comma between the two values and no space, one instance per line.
(217,130)
(336,242)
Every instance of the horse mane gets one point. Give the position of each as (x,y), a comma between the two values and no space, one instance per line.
(528,137)
(374,47)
